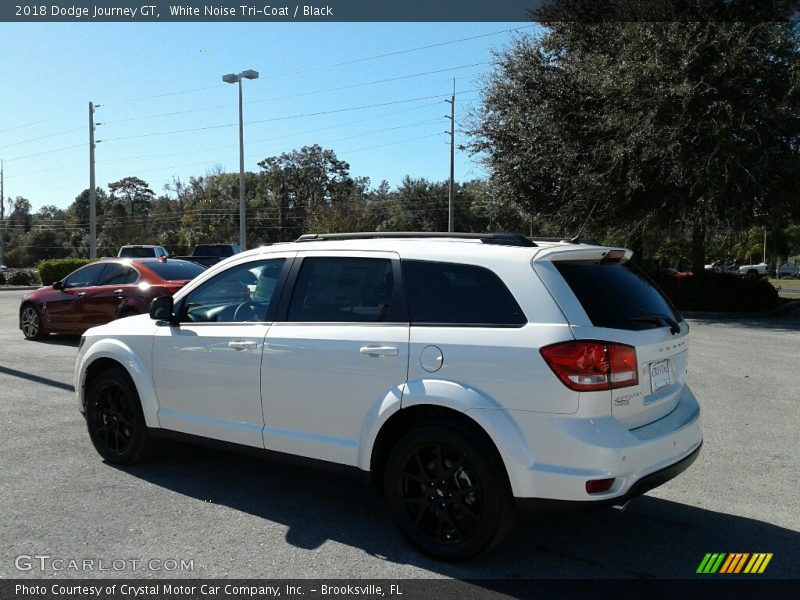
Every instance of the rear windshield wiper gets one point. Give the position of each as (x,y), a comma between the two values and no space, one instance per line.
(659,319)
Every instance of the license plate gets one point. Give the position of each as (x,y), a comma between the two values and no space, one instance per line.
(659,375)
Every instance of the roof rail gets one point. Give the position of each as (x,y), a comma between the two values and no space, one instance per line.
(502,239)
(582,240)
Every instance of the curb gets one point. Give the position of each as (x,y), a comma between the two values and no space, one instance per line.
(787,309)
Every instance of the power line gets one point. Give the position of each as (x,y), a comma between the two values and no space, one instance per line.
(45,152)
(300,94)
(273,119)
(43,137)
(398,52)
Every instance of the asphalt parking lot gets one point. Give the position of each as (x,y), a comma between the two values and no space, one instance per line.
(242,517)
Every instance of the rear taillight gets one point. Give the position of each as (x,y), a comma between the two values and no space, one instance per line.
(589,366)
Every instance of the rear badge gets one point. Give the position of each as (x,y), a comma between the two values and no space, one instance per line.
(626,399)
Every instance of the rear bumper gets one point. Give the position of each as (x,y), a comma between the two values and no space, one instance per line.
(539,506)
(556,455)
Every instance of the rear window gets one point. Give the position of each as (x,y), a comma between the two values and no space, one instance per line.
(459,295)
(134,252)
(174,270)
(615,294)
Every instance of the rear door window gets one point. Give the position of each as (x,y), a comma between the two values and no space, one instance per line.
(173,270)
(344,289)
(617,295)
(117,274)
(455,294)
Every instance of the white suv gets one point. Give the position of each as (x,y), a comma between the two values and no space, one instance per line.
(470,375)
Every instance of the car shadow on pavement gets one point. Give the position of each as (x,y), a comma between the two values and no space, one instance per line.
(59,340)
(653,538)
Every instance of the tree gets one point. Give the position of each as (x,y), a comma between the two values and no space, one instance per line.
(647,122)
(299,181)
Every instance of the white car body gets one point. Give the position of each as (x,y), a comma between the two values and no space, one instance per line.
(312,390)
(759,269)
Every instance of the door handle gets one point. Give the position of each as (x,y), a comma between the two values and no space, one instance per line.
(379,350)
(80,294)
(118,292)
(243,345)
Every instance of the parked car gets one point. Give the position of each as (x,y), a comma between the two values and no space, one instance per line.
(143,251)
(788,270)
(469,375)
(759,270)
(100,292)
(722,266)
(211,254)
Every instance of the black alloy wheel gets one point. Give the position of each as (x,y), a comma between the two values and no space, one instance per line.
(448,497)
(114,418)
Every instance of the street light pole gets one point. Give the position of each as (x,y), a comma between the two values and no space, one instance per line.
(237,78)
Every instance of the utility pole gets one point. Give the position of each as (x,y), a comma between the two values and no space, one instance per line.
(2,215)
(452,117)
(92,199)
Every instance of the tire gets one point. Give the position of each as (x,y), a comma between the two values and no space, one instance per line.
(115,420)
(31,322)
(446,494)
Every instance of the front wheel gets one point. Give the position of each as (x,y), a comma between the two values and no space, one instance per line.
(446,494)
(115,420)
(31,323)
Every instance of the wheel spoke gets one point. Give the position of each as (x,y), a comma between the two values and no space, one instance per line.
(449,521)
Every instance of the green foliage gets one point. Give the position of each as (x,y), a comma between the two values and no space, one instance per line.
(658,123)
(21,277)
(2,278)
(55,269)
(720,292)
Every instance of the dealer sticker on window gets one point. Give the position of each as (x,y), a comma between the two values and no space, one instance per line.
(659,375)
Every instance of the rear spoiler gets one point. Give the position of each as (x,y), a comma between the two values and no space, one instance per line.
(590,254)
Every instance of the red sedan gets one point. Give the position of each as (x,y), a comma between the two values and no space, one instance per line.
(100,292)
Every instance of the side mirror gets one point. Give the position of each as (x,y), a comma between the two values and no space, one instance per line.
(58,285)
(161,310)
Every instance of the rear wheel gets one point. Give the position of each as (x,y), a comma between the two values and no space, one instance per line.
(31,323)
(115,420)
(447,495)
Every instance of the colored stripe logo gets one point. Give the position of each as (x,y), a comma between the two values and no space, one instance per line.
(734,563)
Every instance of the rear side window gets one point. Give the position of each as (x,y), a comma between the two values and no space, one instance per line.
(616,295)
(454,294)
(172,270)
(344,290)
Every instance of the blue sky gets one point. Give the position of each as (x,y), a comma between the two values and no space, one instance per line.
(166,113)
